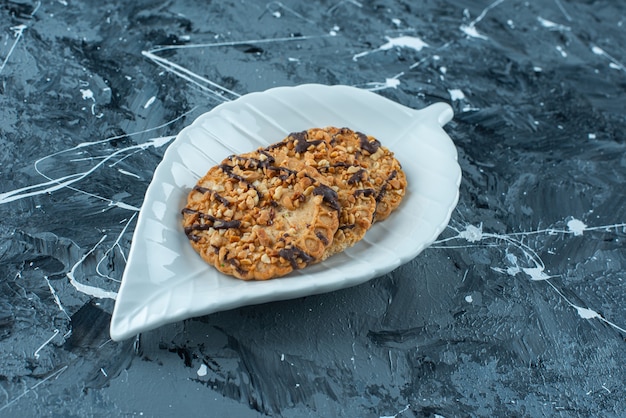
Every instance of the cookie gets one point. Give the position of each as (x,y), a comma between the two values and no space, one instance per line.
(383,170)
(342,172)
(367,177)
(255,218)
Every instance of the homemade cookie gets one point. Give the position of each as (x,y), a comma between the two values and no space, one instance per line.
(255,217)
(367,177)
(382,169)
(342,172)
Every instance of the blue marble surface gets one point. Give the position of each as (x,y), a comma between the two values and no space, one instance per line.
(518,309)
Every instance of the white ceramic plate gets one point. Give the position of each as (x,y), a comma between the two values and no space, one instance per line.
(166,281)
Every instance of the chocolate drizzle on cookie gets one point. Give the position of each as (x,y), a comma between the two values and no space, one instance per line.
(322,238)
(235,263)
(364,192)
(228,169)
(210,222)
(293,253)
(215,194)
(366,144)
(328,195)
(357,177)
(383,188)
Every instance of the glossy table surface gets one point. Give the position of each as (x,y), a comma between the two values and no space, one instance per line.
(518,308)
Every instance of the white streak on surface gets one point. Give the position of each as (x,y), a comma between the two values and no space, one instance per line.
(36,354)
(336,6)
(614,62)
(215,90)
(54,184)
(567,16)
(115,245)
(531,263)
(410,42)
(149,102)
(128,173)
(87,289)
(278,14)
(56,297)
(191,77)
(389,83)
(406,408)
(470,29)
(35,386)
(472,32)
(18,31)
(586,313)
(404,42)
(552,25)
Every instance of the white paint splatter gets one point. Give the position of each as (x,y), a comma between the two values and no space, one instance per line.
(116,245)
(406,408)
(87,94)
(536,273)
(536,270)
(17,32)
(36,354)
(87,289)
(58,183)
(213,89)
(203,370)
(149,102)
(576,226)
(472,32)
(392,82)
(35,386)
(410,42)
(615,64)
(55,296)
(597,50)
(404,42)
(552,25)
(586,313)
(128,173)
(472,233)
(470,29)
(456,94)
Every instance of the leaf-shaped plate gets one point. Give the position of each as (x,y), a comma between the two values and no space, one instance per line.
(165,280)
